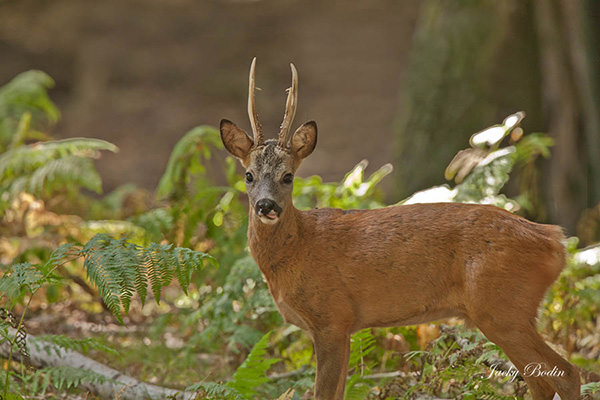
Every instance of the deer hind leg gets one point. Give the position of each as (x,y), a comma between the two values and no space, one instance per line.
(531,355)
(333,352)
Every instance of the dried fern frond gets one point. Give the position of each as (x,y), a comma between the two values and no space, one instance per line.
(20,339)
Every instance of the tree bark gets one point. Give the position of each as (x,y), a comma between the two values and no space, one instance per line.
(566,183)
(463,56)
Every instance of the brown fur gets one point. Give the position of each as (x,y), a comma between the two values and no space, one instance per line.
(334,272)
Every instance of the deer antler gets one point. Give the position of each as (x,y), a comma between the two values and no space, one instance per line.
(256,126)
(290,110)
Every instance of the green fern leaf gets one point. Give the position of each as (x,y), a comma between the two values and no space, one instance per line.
(19,280)
(193,147)
(64,377)
(71,170)
(216,391)
(155,222)
(120,269)
(26,159)
(154,273)
(361,345)
(590,388)
(80,345)
(43,168)
(252,372)
(26,93)
(99,263)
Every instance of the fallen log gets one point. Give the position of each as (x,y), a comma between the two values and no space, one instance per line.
(45,354)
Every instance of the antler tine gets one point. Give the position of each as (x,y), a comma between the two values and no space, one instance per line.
(256,126)
(290,110)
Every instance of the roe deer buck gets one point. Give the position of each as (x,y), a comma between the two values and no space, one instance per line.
(334,272)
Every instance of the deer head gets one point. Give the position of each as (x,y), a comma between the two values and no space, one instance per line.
(270,164)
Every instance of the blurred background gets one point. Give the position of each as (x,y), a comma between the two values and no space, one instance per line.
(406,82)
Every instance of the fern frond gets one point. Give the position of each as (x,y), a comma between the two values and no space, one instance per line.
(253,371)
(216,391)
(362,344)
(193,147)
(18,280)
(42,168)
(80,345)
(357,388)
(104,271)
(64,377)
(120,268)
(590,388)
(155,222)
(71,169)
(26,159)
(26,93)
(251,374)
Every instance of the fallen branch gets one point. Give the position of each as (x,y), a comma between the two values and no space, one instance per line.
(45,354)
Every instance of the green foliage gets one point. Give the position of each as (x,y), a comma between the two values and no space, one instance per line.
(245,380)
(572,305)
(63,377)
(200,213)
(457,365)
(531,146)
(12,396)
(352,192)
(47,167)
(25,97)
(80,345)
(187,161)
(119,268)
(216,391)
(252,372)
(484,183)
(19,280)
(362,345)
(592,388)
(238,310)
(43,168)
(155,222)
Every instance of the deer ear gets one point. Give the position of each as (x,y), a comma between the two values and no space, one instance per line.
(236,140)
(304,139)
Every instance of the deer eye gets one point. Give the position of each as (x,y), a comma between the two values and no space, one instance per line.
(288,178)
(249,177)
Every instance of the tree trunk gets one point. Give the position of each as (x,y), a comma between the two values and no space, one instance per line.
(453,89)
(474,62)
(572,110)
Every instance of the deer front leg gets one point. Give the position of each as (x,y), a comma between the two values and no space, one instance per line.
(333,352)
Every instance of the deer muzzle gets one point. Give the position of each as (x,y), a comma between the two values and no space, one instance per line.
(267,210)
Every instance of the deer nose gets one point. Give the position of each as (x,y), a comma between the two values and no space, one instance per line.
(265,206)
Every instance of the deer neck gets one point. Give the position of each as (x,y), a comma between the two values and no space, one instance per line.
(272,245)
